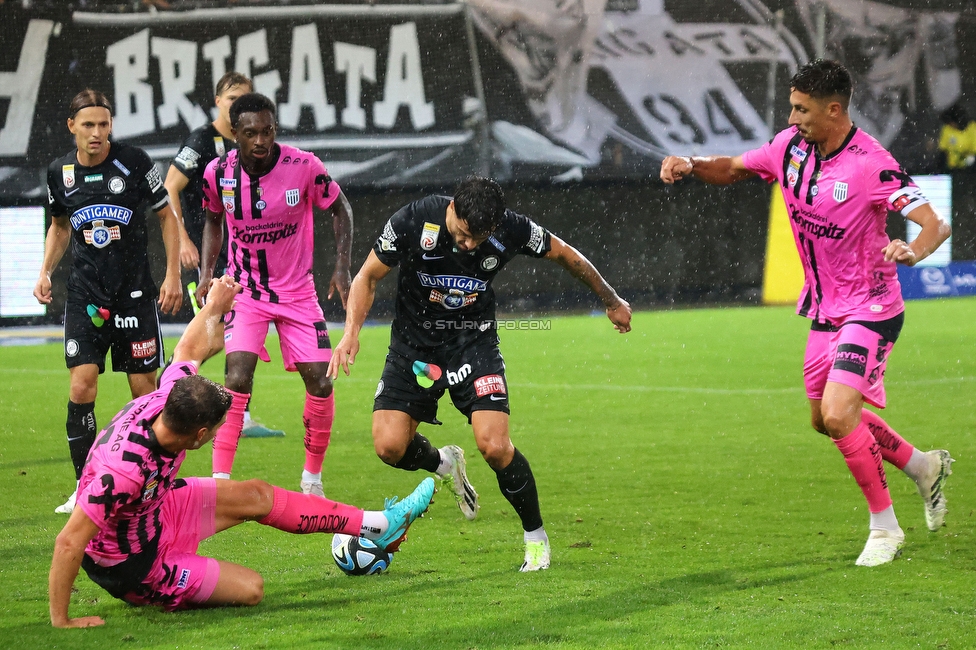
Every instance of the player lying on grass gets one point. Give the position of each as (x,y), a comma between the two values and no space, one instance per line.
(449,249)
(839,184)
(136,527)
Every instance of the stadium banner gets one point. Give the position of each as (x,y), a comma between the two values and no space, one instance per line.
(422,94)
(951,280)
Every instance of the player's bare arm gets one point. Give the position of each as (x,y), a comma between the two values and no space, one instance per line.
(204,336)
(342,226)
(175,183)
(55,245)
(69,549)
(935,230)
(361,295)
(618,310)
(715,170)
(171,291)
(213,239)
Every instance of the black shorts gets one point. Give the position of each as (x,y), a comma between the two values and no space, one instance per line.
(130,332)
(473,374)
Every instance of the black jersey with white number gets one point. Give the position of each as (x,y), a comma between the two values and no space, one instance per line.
(105,206)
(200,147)
(444,296)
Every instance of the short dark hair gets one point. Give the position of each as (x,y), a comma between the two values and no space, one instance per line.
(824,79)
(231,79)
(89,98)
(250,103)
(480,203)
(195,403)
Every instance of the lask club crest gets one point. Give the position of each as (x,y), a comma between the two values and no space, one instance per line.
(292,197)
(840,192)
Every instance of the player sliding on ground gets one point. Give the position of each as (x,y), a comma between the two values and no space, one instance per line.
(445,338)
(838,184)
(136,526)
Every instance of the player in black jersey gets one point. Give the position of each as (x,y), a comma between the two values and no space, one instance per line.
(97,196)
(184,183)
(444,338)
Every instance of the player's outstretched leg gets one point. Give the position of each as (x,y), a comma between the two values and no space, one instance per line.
(455,479)
(400,514)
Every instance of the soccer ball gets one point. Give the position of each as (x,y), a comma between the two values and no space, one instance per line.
(358,556)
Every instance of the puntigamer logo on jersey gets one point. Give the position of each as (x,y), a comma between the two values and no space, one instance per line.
(100,211)
(459,282)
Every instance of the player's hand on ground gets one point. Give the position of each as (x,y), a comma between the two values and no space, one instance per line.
(84,621)
(900,252)
(344,354)
(341,281)
(223,291)
(620,316)
(42,290)
(189,255)
(674,168)
(171,295)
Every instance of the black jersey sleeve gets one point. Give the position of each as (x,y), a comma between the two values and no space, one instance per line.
(190,158)
(150,180)
(530,238)
(54,204)
(391,246)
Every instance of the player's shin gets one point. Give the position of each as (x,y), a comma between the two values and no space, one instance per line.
(318,417)
(81,429)
(225,442)
(863,457)
(518,486)
(298,513)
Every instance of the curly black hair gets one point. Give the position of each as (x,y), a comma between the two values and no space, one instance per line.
(250,103)
(480,203)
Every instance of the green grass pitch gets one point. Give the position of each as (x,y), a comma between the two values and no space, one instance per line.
(688,502)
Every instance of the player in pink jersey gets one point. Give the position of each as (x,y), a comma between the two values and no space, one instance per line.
(137,527)
(839,184)
(267,192)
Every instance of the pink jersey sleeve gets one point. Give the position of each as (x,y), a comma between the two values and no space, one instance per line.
(211,190)
(175,372)
(323,190)
(890,186)
(767,159)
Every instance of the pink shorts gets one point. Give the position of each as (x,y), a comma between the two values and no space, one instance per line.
(303,335)
(179,578)
(853,355)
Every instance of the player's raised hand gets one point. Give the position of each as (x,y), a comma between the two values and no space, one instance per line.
(170,295)
(341,281)
(899,252)
(620,316)
(223,291)
(343,354)
(674,168)
(42,290)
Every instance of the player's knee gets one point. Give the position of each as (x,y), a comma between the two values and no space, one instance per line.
(319,386)
(837,423)
(497,453)
(238,380)
(258,495)
(252,593)
(389,451)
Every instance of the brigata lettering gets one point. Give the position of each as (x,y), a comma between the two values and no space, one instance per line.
(460,282)
(100,211)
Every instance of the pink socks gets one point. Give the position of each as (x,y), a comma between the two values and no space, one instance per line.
(863,457)
(294,512)
(894,448)
(318,417)
(225,442)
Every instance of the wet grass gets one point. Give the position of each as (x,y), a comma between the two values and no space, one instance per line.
(688,502)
